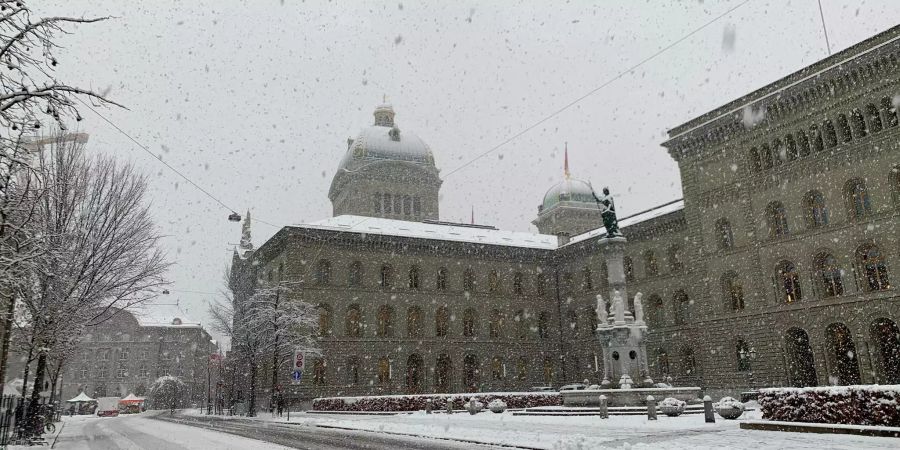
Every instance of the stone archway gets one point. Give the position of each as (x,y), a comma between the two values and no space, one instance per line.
(414,372)
(470,373)
(801,366)
(886,336)
(845,367)
(442,370)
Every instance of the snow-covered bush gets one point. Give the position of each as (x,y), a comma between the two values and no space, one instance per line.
(417,402)
(729,408)
(671,407)
(474,406)
(497,406)
(853,405)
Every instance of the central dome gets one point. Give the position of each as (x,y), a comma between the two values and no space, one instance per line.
(384,141)
(569,190)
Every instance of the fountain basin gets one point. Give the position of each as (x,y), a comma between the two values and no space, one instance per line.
(628,397)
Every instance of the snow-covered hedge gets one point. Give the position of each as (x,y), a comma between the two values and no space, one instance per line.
(853,405)
(417,402)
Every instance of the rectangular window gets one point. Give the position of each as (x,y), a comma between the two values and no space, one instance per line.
(388,204)
(377,205)
(417,206)
(123,354)
(121,372)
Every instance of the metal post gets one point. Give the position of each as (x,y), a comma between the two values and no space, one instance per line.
(428,406)
(708,410)
(449,405)
(208,387)
(604,409)
(651,408)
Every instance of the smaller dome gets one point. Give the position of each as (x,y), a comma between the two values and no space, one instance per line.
(569,190)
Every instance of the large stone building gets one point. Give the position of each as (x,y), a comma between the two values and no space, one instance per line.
(774,269)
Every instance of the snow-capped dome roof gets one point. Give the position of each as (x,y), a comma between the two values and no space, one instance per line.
(384,141)
(568,190)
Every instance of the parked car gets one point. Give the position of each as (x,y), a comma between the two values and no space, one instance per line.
(542,388)
(108,406)
(574,387)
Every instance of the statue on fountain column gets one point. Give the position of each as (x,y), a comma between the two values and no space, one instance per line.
(619,307)
(608,212)
(602,315)
(638,309)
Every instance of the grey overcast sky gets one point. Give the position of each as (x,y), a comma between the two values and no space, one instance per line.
(255,100)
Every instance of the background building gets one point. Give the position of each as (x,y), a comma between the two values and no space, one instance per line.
(774,269)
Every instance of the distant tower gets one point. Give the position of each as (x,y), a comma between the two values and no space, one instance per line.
(386,173)
(569,208)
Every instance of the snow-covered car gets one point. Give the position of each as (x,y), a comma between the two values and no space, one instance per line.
(573,387)
(542,388)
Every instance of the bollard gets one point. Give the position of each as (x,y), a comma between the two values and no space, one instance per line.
(708,410)
(449,406)
(428,406)
(651,408)
(604,409)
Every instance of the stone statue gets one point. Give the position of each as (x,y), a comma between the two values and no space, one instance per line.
(608,212)
(602,316)
(638,308)
(619,307)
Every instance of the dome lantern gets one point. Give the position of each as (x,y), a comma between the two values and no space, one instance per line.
(384,115)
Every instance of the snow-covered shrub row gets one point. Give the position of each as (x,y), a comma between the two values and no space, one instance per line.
(852,405)
(417,402)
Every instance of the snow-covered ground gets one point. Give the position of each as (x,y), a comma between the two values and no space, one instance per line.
(140,432)
(685,432)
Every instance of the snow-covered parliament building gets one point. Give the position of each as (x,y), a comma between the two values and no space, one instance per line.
(778,267)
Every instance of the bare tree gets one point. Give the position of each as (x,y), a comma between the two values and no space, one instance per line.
(31,97)
(101,247)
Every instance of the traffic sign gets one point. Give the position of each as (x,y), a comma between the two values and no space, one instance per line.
(298,360)
(296,376)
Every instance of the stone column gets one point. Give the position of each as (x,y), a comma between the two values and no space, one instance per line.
(613,250)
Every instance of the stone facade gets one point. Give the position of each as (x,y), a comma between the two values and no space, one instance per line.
(775,269)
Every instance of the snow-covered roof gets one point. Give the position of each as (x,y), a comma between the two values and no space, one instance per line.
(158,314)
(634,219)
(82,397)
(441,232)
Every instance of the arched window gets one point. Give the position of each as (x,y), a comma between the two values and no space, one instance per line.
(378,206)
(743,354)
(674,257)
(791,145)
(498,369)
(415,368)
(889,111)
(387,276)
(662,361)
(442,371)
(469,322)
(354,277)
(470,373)
(858,205)
(323,272)
(776,217)
(384,370)
(733,291)
(387,203)
(755,162)
(829,135)
(874,117)
(789,279)
(814,208)
(517,283)
(858,124)
(587,278)
(441,279)
(873,269)
(548,370)
(496,324)
(413,278)
(521,325)
(319,369)
(650,264)
(657,310)
(815,139)
(353,370)
(413,321)
(442,322)
(803,143)
(522,368)
(385,321)
(682,305)
(324,320)
(829,274)
(780,153)
(629,268)
(494,281)
(724,237)
(353,322)
(469,280)
(543,325)
(895,184)
(407,205)
(844,128)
